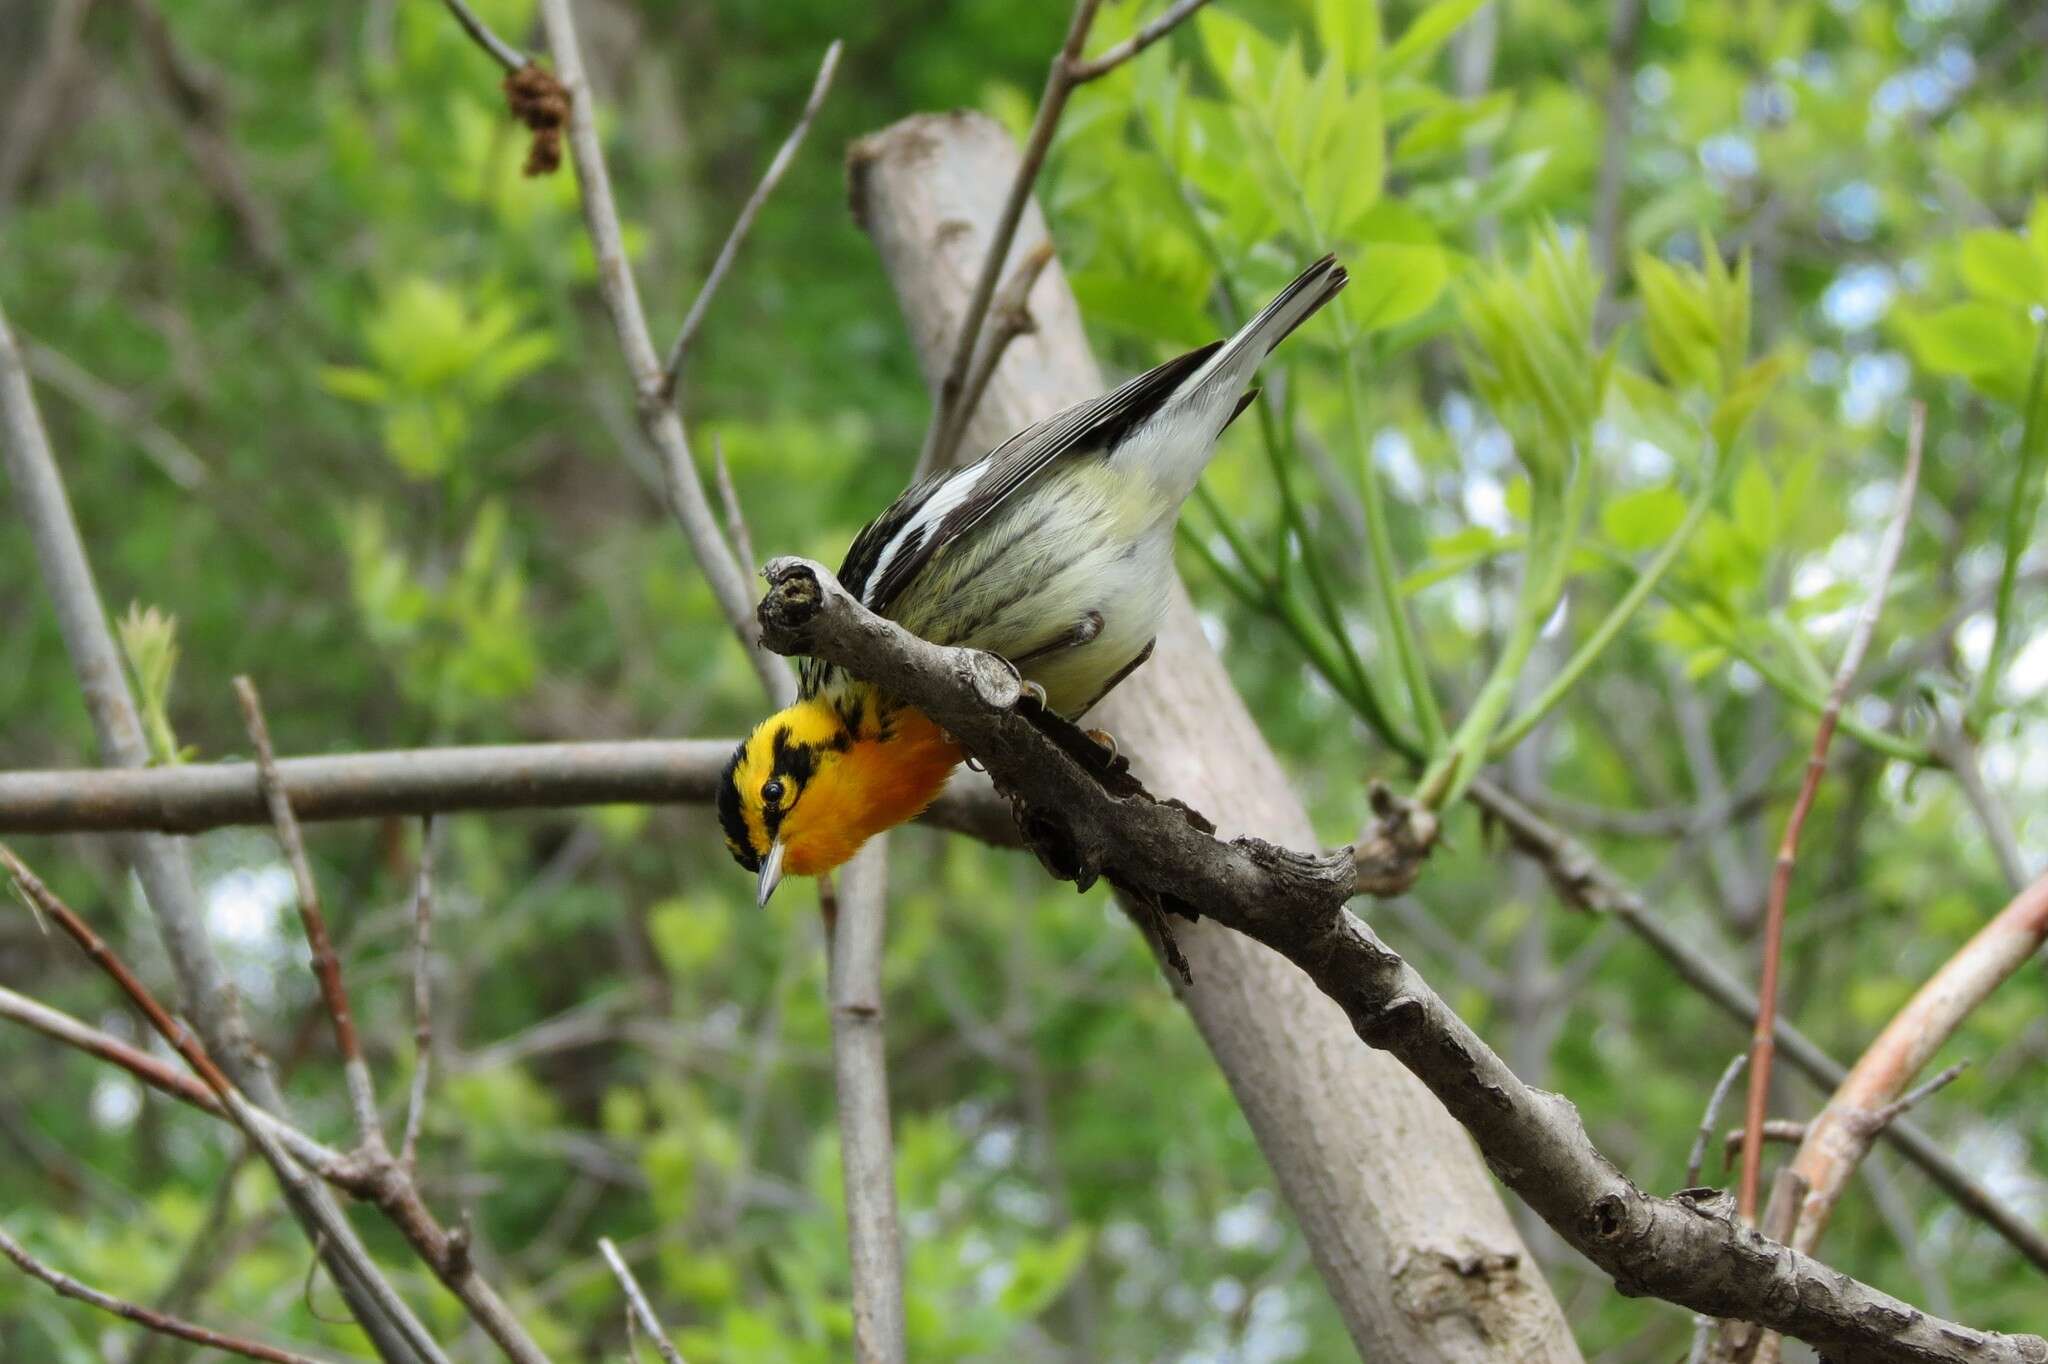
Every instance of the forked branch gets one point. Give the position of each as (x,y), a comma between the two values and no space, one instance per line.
(1088,823)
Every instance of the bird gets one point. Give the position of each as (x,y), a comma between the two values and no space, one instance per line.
(1053,551)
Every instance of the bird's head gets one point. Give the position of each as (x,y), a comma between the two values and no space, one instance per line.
(805,789)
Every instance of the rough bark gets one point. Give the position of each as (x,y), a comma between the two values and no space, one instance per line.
(1406,1228)
(1088,818)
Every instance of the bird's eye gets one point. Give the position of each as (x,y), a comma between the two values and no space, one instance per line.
(772,792)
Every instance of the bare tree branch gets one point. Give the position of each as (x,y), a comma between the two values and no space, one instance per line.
(146,1317)
(1088,821)
(1584,882)
(201,123)
(1765,1038)
(658,417)
(1011,313)
(1052,102)
(860,1079)
(1875,1093)
(956,398)
(331,1226)
(778,166)
(161,863)
(1112,57)
(117,409)
(370,1173)
(194,797)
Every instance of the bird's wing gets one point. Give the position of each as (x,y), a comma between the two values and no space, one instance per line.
(896,545)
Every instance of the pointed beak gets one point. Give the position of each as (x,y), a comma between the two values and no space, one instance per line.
(771,873)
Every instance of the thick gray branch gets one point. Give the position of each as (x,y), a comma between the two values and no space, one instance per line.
(419,781)
(1688,1249)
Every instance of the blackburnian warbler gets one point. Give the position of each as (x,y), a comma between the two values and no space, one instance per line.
(1054,550)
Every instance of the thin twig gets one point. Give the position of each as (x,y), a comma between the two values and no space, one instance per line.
(636,1300)
(1781,1131)
(660,421)
(729,499)
(502,52)
(1912,1098)
(1764,1038)
(117,409)
(422,998)
(778,166)
(1696,1159)
(1690,1250)
(1059,85)
(1011,314)
(370,1174)
(1874,1094)
(146,1317)
(152,1070)
(362,1093)
(1584,882)
(162,864)
(330,1227)
(1112,57)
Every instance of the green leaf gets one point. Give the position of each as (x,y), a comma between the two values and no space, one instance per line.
(1646,410)
(1455,127)
(1429,31)
(689,932)
(355,383)
(1394,283)
(1243,58)
(1039,1273)
(1987,344)
(1349,31)
(1755,506)
(1744,396)
(1643,519)
(1998,266)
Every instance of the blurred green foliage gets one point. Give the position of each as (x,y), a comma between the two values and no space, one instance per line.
(1613,497)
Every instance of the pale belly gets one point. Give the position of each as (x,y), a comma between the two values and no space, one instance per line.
(1085,541)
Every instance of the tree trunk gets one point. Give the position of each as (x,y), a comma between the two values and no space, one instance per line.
(1404,1223)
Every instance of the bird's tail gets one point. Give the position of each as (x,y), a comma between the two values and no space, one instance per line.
(1240,355)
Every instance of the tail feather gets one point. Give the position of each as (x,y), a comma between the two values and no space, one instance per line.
(1298,302)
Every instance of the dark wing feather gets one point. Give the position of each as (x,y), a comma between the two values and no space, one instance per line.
(1092,427)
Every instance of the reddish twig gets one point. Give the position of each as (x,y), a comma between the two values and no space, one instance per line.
(95,948)
(778,166)
(1876,1091)
(1765,1033)
(146,1317)
(362,1092)
(152,1070)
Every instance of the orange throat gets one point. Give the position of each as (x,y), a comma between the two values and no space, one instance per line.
(876,784)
